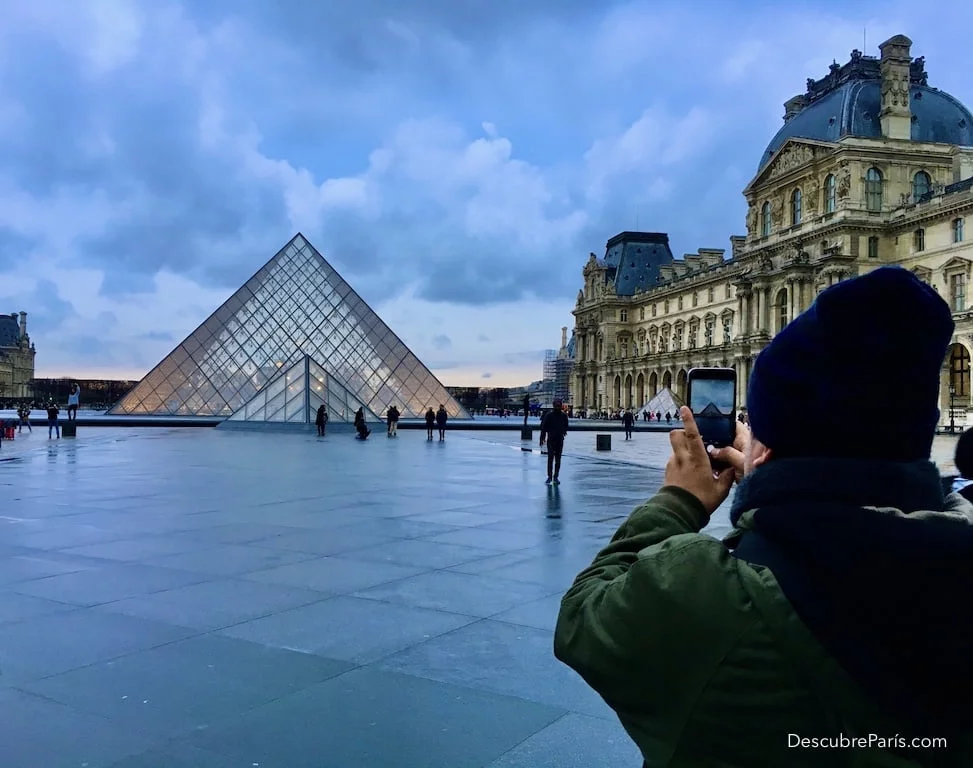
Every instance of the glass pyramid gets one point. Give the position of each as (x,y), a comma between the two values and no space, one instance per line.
(295,395)
(295,306)
(664,402)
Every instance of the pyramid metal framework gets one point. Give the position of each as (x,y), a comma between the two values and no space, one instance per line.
(293,397)
(296,305)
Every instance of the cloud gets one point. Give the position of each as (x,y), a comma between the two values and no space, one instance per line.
(486,375)
(441,341)
(156,336)
(456,162)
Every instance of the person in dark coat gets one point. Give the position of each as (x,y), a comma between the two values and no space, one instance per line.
(554,427)
(837,605)
(628,420)
(430,422)
(441,418)
(360,425)
(321,419)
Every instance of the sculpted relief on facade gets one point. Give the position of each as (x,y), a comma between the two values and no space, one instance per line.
(843,188)
(792,157)
(811,195)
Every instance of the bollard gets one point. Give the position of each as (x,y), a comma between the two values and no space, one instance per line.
(526,433)
(603,442)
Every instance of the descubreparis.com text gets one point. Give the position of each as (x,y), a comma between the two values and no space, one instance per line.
(871,741)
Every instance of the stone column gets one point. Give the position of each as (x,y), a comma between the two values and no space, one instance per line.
(791,303)
(740,381)
(765,325)
(745,316)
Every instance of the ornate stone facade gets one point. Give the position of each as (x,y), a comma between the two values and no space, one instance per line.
(16,356)
(819,211)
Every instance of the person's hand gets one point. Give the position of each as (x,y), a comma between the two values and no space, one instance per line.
(733,455)
(542,442)
(689,466)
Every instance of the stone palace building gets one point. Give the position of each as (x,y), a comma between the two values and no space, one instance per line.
(872,166)
(16,356)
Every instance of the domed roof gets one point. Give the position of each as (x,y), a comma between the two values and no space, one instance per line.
(848,102)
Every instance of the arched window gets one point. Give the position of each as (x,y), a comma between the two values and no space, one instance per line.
(921,184)
(765,219)
(830,194)
(873,189)
(782,318)
(795,207)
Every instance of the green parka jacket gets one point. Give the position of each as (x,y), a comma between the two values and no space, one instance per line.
(706,662)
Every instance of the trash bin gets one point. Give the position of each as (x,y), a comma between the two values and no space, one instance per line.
(603,442)
(69,429)
(526,433)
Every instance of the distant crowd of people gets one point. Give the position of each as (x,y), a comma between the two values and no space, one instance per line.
(25,408)
(434,420)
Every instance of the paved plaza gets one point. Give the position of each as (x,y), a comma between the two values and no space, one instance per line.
(195,597)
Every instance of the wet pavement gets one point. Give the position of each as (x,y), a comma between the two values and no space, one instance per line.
(201,598)
(194,597)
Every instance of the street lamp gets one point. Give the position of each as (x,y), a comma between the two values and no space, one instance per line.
(952,419)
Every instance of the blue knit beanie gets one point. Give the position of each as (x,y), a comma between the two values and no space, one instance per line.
(857,374)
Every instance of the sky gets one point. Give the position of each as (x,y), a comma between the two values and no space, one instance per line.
(455,162)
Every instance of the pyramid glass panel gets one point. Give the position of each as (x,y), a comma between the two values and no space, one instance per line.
(295,307)
(293,396)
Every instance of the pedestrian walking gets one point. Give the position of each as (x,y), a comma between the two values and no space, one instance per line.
(554,427)
(321,420)
(430,423)
(628,420)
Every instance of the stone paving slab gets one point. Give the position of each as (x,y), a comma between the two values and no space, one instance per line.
(196,597)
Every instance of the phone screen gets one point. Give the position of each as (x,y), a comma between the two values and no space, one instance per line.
(711,401)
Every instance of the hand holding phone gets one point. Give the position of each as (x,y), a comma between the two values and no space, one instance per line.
(712,399)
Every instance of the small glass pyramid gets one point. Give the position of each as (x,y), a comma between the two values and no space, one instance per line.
(296,393)
(296,306)
(664,402)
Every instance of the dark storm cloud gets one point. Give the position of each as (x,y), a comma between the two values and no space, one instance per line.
(359,33)
(179,206)
(45,308)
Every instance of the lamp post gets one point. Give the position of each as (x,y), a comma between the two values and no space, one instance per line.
(952,419)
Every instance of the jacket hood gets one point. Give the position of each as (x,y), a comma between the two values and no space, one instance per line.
(878,565)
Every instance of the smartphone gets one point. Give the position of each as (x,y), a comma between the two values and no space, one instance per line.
(712,399)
